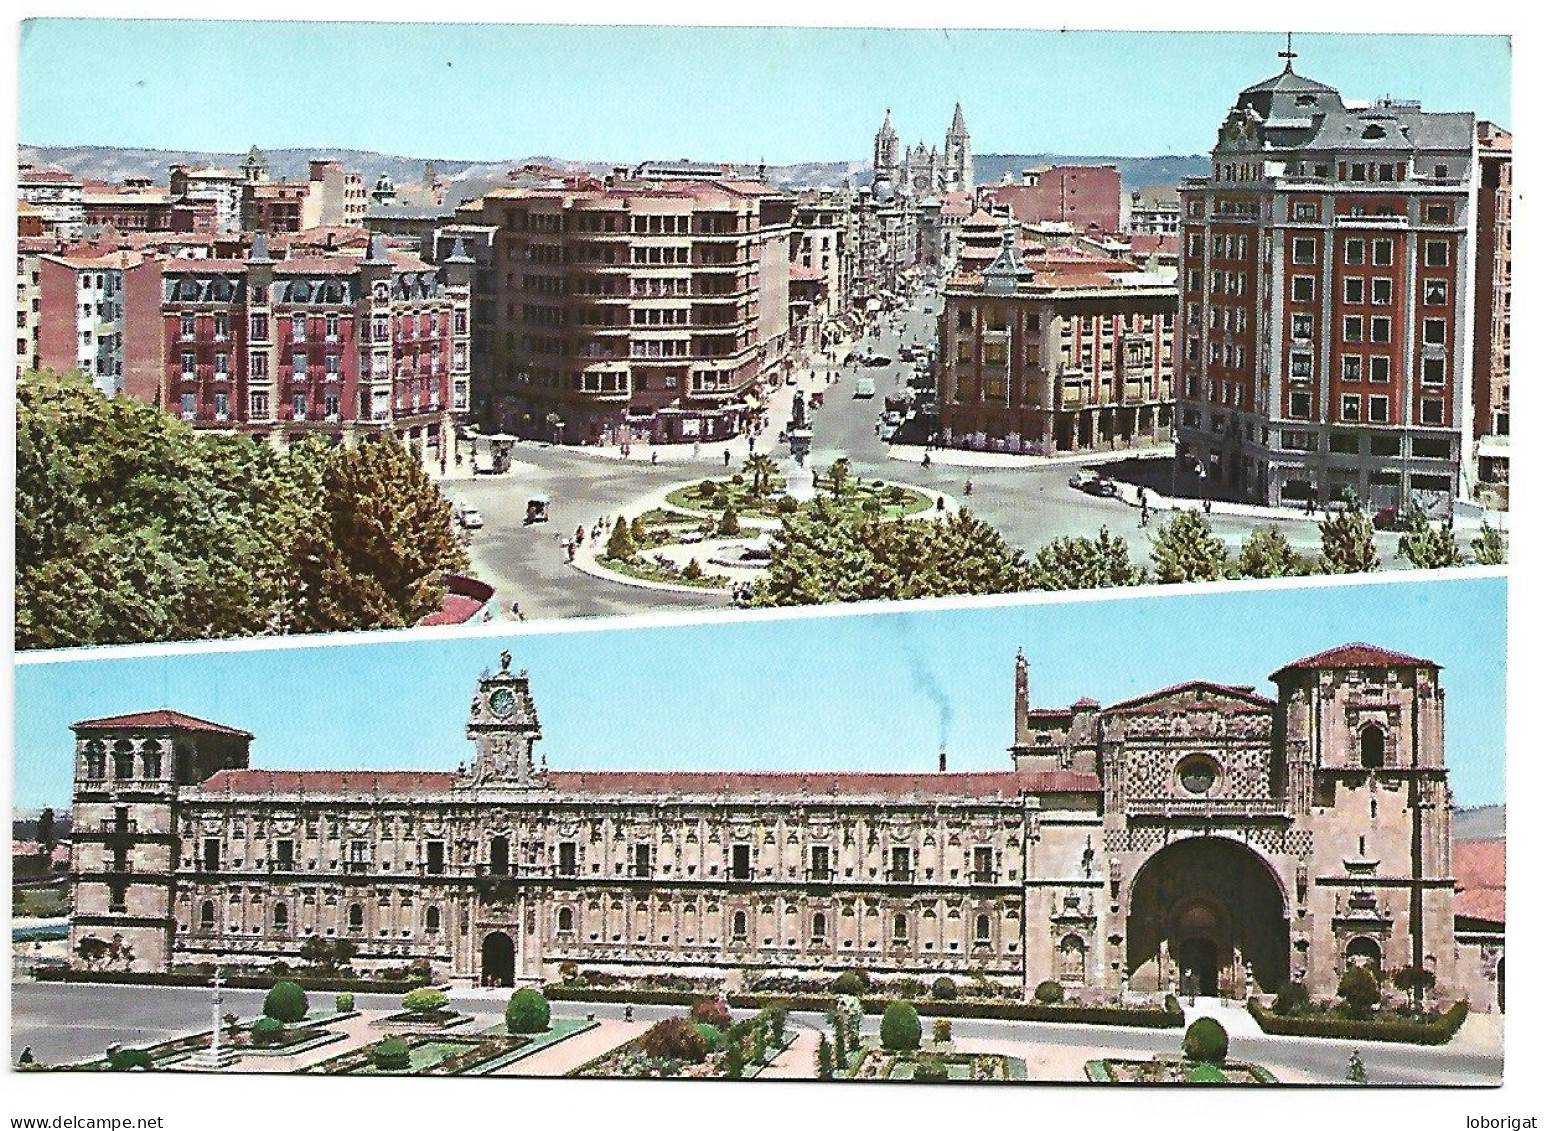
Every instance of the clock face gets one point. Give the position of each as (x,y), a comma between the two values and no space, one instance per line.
(502,703)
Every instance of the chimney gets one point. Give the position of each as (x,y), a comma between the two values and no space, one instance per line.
(942,757)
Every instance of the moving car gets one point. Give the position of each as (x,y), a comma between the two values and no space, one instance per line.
(537,509)
(1093,483)
(472,518)
(865,387)
(877,359)
(905,353)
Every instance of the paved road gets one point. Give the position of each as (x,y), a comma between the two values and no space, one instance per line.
(1029,506)
(69,1022)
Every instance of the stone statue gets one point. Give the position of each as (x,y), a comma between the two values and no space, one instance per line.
(798,411)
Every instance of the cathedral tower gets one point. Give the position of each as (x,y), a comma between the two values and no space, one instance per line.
(958,155)
(887,160)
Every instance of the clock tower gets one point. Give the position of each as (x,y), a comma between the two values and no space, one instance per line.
(503,728)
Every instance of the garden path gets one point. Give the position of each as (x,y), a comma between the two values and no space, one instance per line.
(798,1062)
(570,1053)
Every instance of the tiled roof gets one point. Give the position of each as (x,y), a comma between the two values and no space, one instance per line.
(1357,656)
(1243,692)
(162,718)
(359,782)
(1478,866)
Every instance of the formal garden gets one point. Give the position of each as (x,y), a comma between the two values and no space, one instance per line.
(705,1043)
(900,1052)
(1370,1006)
(1205,1059)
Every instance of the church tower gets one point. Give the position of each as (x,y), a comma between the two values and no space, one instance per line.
(503,727)
(958,155)
(887,159)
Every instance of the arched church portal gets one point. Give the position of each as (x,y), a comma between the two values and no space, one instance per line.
(499,960)
(1211,907)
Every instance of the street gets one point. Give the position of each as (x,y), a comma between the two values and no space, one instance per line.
(1029,506)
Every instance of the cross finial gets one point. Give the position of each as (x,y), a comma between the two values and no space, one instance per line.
(1288,54)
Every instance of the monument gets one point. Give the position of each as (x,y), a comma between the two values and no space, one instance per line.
(799,480)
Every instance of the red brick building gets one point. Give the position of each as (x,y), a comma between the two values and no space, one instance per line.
(1491,310)
(1325,268)
(1089,198)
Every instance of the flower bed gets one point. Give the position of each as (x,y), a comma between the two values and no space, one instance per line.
(648,569)
(875,1063)
(1169,1071)
(896,500)
(1405,1030)
(425,1020)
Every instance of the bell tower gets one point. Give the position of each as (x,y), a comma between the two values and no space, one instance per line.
(502,724)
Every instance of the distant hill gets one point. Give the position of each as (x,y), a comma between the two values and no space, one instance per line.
(112,163)
(1486,822)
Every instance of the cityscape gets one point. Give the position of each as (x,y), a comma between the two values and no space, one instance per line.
(686,384)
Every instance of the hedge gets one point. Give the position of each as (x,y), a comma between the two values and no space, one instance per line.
(1145,1017)
(1437,1032)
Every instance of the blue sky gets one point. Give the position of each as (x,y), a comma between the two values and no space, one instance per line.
(848,692)
(483,91)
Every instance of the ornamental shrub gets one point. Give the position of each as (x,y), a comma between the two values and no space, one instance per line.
(734,1062)
(931,1071)
(900,1028)
(906,987)
(527,1012)
(1206,1074)
(942,1030)
(786,505)
(674,1039)
(707,488)
(285,1002)
(267,1031)
(125,1059)
(944,989)
(390,1054)
(1359,990)
(1292,998)
(711,1012)
(1206,1041)
(424,1000)
(852,982)
(824,1059)
(1049,992)
(344,1003)
(730,523)
(713,1036)
(568,971)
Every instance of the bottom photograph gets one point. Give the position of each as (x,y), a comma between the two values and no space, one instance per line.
(1245,837)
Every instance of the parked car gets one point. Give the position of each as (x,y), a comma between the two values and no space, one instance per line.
(905,353)
(876,360)
(472,518)
(1093,483)
(1387,518)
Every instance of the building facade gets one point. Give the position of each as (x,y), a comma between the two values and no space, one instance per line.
(1327,275)
(920,172)
(1199,828)
(1088,198)
(1055,353)
(1491,311)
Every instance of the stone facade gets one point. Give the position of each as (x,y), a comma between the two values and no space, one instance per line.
(1201,827)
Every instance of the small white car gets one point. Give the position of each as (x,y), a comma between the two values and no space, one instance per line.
(472,518)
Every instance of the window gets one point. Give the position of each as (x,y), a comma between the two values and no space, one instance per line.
(1300,365)
(1353,367)
(1304,250)
(259,406)
(1433,371)
(1300,325)
(1353,328)
(566,920)
(1380,292)
(983,864)
(980,929)
(741,861)
(222,326)
(281,916)
(899,930)
(1436,292)
(1431,411)
(1434,331)
(1380,370)
(821,863)
(1305,211)
(284,855)
(818,927)
(298,406)
(1353,290)
(431,920)
(1303,288)
(569,864)
(188,362)
(207,915)
(298,365)
(1436,253)
(1382,252)
(1350,406)
(258,327)
(331,323)
(642,861)
(298,327)
(211,860)
(902,864)
(96,760)
(1380,329)
(150,760)
(1372,747)
(187,325)
(1437,213)
(356,918)
(1378,407)
(1300,405)
(330,364)
(739,926)
(1353,251)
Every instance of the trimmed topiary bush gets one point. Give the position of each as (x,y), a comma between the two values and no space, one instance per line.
(344,1003)
(424,1000)
(942,1030)
(931,1072)
(390,1054)
(1292,997)
(1206,1074)
(267,1031)
(944,989)
(1049,992)
(527,1011)
(900,1028)
(1207,1041)
(1359,990)
(852,982)
(285,1002)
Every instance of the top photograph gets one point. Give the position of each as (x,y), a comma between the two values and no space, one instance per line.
(409,327)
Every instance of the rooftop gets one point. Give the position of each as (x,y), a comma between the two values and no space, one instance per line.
(158,719)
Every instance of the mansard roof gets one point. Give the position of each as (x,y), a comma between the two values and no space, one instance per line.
(1357,656)
(163,718)
(981,784)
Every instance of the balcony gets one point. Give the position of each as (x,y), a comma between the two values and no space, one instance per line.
(115,825)
(899,875)
(985,877)
(1206,807)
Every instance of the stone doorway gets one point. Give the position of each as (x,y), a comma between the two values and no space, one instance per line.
(1212,906)
(498,967)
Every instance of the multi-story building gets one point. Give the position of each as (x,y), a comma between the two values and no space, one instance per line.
(81,317)
(1327,280)
(1202,828)
(220,188)
(1060,351)
(820,243)
(634,308)
(341,345)
(59,197)
(1490,317)
(137,206)
(1088,198)
(29,301)
(1154,211)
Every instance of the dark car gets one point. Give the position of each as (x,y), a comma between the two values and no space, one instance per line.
(1093,483)
(876,360)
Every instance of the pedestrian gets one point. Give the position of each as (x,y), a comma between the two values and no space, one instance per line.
(967,490)
(26,1055)
(570,547)
(1356,1074)
(727,457)
(515,610)
(940,503)
(1208,504)
(695,449)
(926,459)
(580,535)
(655,457)
(628,1013)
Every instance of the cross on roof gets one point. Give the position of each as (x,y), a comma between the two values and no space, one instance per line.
(1289,54)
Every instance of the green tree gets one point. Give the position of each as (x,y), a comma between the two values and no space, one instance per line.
(1359,990)
(1490,547)
(900,1028)
(47,831)
(1348,543)
(1414,981)
(761,468)
(390,1054)
(527,1011)
(1429,546)
(1185,549)
(620,543)
(824,1058)
(1267,553)
(1206,1040)
(377,553)
(1085,563)
(729,524)
(285,1002)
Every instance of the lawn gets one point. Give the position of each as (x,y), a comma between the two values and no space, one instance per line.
(896,501)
